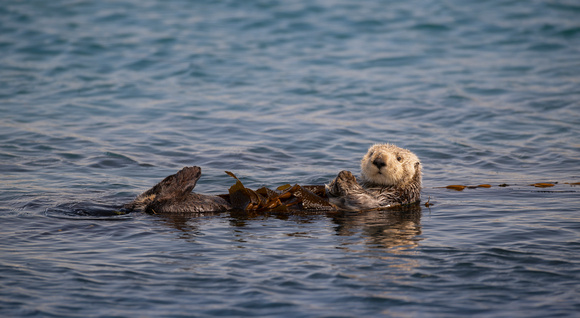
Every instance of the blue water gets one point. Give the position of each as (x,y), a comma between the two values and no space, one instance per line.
(100,100)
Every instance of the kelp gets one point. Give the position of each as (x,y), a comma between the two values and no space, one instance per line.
(542,185)
(293,198)
(285,198)
(458,187)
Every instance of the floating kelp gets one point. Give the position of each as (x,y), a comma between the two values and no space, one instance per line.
(283,199)
(542,185)
(456,187)
(428,203)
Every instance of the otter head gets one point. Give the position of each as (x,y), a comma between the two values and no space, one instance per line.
(389,165)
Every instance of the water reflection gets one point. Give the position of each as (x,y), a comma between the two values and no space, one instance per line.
(396,230)
(186,223)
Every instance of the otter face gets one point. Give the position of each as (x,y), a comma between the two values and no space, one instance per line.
(389,165)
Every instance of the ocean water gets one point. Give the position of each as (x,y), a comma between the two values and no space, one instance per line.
(100,100)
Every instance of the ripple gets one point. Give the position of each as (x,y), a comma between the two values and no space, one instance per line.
(391,61)
(112,160)
(100,101)
(546,47)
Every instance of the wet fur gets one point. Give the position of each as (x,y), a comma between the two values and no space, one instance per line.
(173,195)
(390,176)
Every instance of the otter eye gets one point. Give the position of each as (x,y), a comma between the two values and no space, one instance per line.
(399,158)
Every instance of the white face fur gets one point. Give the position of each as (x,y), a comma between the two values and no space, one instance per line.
(389,165)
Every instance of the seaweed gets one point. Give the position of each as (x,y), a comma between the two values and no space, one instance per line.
(542,185)
(456,187)
(284,199)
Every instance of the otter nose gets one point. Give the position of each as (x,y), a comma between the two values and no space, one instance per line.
(379,163)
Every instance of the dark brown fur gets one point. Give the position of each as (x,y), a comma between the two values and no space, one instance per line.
(173,194)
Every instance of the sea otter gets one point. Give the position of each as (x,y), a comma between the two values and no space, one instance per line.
(390,176)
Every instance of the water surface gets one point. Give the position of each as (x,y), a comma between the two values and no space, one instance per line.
(100,100)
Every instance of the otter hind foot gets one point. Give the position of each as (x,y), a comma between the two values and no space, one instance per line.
(173,194)
(179,184)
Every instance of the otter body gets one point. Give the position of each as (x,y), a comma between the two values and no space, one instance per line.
(390,176)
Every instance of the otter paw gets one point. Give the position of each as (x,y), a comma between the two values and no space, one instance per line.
(343,184)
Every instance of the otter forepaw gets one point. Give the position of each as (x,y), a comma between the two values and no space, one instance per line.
(343,184)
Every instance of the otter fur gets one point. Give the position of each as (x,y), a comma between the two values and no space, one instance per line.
(390,176)
(173,195)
